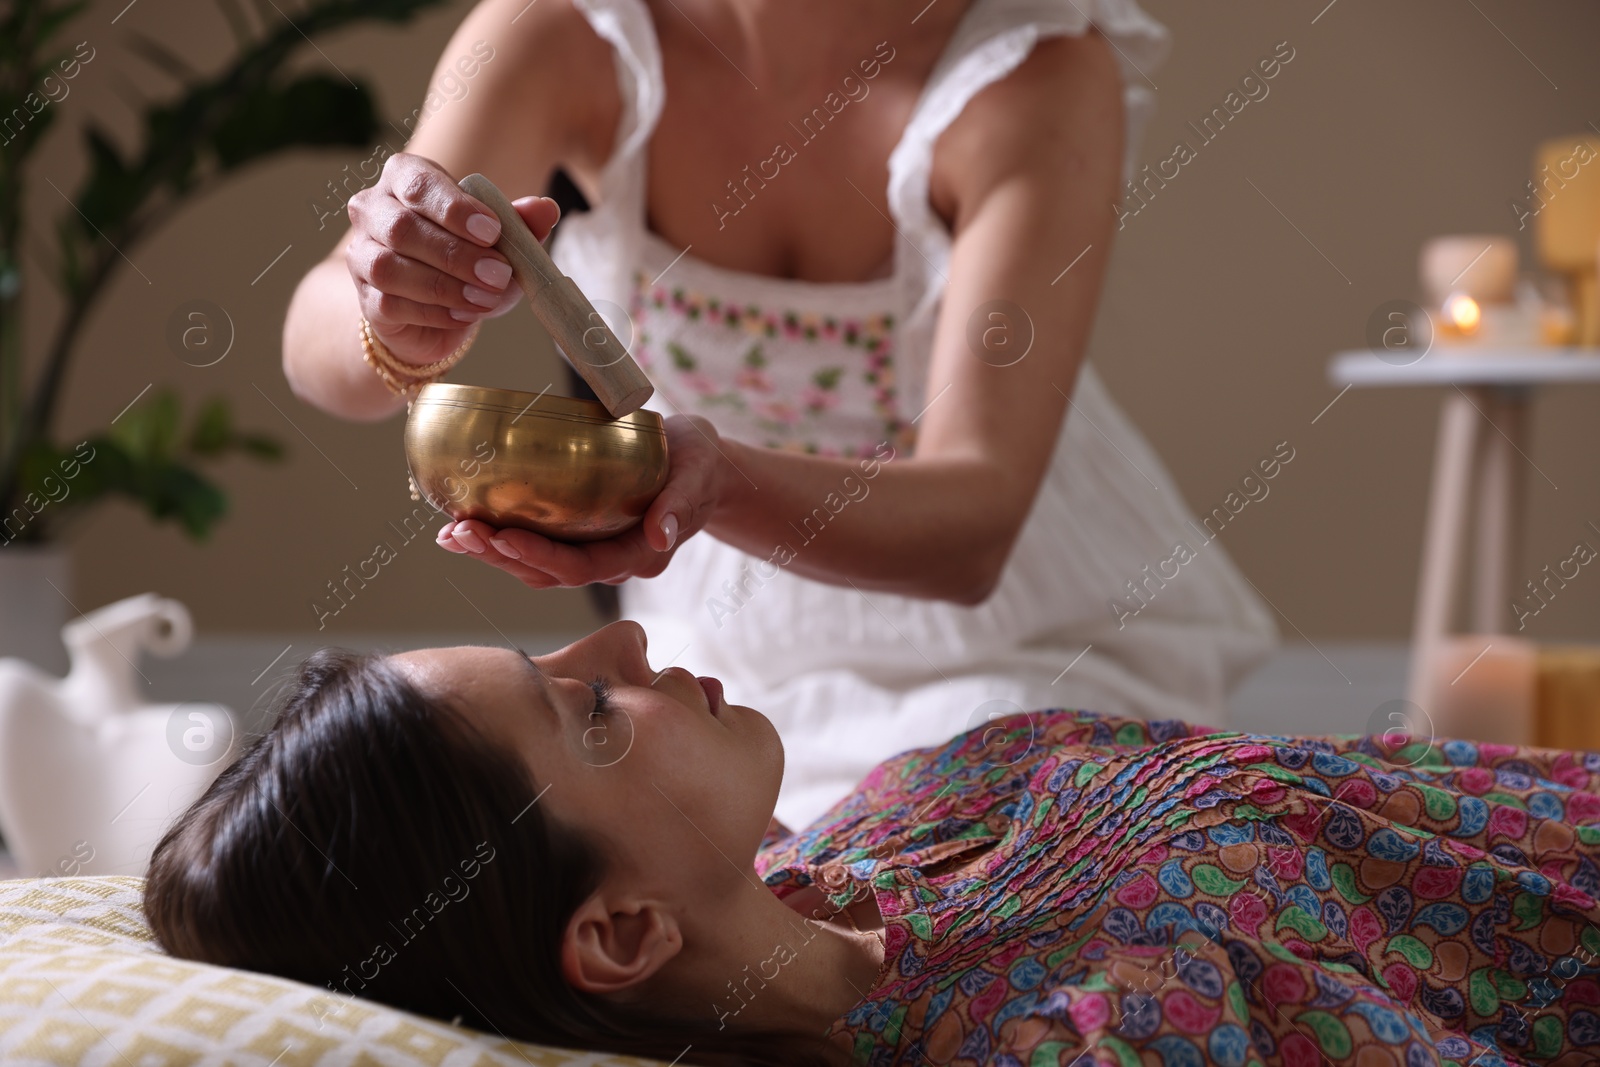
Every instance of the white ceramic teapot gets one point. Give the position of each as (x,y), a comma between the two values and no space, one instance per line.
(90,774)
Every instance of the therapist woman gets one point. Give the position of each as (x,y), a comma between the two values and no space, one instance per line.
(861,247)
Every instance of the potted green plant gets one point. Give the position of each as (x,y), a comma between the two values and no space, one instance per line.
(211,127)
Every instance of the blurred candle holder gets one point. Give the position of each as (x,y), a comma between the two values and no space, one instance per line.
(1471,285)
(1483,687)
(1482,266)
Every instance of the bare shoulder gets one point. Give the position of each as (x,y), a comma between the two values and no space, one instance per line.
(554,32)
(1060,113)
(551,72)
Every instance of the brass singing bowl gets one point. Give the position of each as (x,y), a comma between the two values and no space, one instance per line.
(561,467)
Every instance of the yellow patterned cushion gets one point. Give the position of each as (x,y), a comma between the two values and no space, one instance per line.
(82,981)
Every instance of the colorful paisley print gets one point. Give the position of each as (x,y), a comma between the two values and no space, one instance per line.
(1062,887)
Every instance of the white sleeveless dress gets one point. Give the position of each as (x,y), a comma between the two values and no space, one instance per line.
(850,678)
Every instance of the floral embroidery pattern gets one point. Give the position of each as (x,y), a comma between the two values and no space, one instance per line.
(790,407)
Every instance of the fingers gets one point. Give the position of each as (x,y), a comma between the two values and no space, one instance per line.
(542,562)
(661,524)
(427,190)
(411,215)
(397,273)
(457,537)
(570,564)
(540,213)
(389,313)
(422,255)
(419,259)
(685,502)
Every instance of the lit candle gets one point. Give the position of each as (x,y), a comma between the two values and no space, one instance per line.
(1461,315)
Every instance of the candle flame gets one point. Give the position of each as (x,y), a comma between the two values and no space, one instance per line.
(1462,312)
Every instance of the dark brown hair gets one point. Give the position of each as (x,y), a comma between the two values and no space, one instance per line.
(372,829)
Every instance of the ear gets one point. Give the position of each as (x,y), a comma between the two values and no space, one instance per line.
(609,947)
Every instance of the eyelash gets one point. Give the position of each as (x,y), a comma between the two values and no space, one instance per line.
(602,696)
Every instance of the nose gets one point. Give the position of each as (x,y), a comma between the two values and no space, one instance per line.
(617,649)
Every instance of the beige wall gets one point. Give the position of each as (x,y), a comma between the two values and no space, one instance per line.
(1392,123)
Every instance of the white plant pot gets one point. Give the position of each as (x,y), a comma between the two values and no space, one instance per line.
(35,582)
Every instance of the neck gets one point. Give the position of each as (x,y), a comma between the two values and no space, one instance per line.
(765,966)
(783,43)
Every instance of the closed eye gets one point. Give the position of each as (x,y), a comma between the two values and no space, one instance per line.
(602,697)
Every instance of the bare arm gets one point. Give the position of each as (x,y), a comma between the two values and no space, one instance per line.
(413,261)
(1026,175)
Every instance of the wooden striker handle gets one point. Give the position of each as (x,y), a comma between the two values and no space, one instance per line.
(568,316)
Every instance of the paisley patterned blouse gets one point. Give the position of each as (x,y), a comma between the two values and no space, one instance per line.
(1066,888)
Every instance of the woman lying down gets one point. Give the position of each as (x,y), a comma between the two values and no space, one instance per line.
(576,850)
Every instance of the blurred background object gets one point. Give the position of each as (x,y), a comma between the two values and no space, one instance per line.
(1566,188)
(91,773)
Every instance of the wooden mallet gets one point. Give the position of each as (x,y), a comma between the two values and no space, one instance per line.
(568,316)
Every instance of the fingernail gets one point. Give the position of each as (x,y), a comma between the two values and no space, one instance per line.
(481,297)
(465,316)
(493,272)
(468,538)
(669,526)
(504,548)
(485,228)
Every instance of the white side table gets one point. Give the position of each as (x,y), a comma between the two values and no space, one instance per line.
(1489,388)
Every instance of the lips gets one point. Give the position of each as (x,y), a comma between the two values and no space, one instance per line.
(713,691)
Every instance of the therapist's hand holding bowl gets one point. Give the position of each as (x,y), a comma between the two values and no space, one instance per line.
(695,483)
(425,271)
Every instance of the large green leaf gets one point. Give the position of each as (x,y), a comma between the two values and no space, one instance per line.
(178,492)
(148,459)
(110,193)
(26,30)
(148,431)
(213,429)
(312,110)
(214,435)
(56,17)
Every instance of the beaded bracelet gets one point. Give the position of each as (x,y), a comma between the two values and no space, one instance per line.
(405,379)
